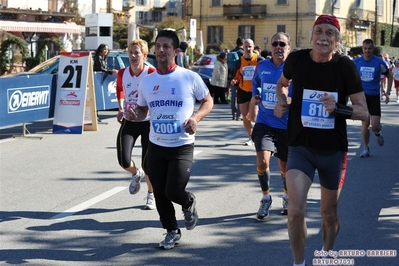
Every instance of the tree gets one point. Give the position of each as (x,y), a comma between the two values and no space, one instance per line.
(119,30)
(173,22)
(5,63)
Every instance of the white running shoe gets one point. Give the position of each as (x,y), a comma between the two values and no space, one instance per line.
(150,204)
(172,238)
(249,142)
(263,212)
(190,214)
(135,183)
(284,211)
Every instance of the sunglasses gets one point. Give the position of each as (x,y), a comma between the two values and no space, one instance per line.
(281,44)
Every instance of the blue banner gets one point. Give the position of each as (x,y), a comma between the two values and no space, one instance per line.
(26,99)
(105,90)
(29,98)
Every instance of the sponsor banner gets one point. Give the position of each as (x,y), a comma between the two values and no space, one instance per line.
(20,103)
(105,89)
(28,98)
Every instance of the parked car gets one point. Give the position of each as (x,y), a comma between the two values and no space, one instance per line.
(152,59)
(207,81)
(205,64)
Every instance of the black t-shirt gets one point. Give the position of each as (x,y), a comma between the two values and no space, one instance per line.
(338,75)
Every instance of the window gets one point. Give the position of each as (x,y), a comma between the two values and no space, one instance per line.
(215,3)
(281,2)
(157,16)
(336,3)
(105,31)
(126,3)
(172,3)
(113,63)
(141,2)
(280,28)
(91,31)
(246,31)
(379,7)
(246,2)
(215,35)
(358,3)
(52,5)
(139,16)
(171,14)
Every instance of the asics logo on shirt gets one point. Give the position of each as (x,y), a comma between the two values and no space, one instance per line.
(269,86)
(163,116)
(133,93)
(265,72)
(315,94)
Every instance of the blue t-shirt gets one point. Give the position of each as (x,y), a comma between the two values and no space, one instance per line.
(266,77)
(370,72)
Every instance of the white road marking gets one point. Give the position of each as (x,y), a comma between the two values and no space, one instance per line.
(390,213)
(87,204)
(230,136)
(92,201)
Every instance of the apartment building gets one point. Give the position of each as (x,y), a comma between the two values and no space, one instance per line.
(149,13)
(222,21)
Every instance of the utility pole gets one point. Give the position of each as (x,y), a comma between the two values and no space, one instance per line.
(109,6)
(296,25)
(393,19)
(375,22)
(183,9)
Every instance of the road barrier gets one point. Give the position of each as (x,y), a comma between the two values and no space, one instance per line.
(29,98)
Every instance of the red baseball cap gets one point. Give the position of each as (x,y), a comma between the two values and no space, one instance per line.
(327,19)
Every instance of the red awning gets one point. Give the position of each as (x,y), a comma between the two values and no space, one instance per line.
(47,27)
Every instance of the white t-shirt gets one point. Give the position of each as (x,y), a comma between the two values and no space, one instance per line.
(171,100)
(395,72)
(130,85)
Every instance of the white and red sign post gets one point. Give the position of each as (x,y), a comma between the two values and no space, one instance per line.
(75,105)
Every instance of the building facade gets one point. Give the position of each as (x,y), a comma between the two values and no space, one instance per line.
(222,21)
(36,20)
(149,13)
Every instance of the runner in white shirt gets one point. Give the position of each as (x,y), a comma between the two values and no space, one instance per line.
(169,95)
(127,83)
(395,72)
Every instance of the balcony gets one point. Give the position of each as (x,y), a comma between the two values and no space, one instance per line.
(158,8)
(238,11)
(127,8)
